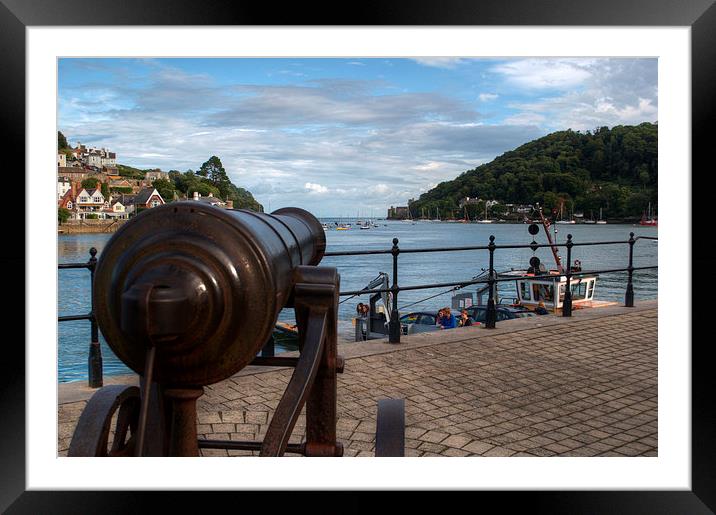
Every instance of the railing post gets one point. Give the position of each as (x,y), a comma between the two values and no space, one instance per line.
(567,303)
(269,348)
(491,314)
(629,297)
(394,326)
(94,362)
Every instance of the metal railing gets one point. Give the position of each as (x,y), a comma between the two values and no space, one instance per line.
(94,362)
(95,355)
(493,279)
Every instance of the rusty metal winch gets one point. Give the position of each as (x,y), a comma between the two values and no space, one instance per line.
(186,295)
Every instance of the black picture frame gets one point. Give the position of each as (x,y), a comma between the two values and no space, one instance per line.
(700,15)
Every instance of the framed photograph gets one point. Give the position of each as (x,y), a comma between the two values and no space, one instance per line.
(434,91)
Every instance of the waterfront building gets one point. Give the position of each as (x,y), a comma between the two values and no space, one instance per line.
(90,201)
(398,212)
(116,210)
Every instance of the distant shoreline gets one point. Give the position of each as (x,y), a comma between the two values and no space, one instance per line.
(90,226)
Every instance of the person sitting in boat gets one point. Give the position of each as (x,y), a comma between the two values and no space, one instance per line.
(465,319)
(540,309)
(447,320)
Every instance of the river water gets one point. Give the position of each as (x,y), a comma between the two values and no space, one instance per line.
(357,271)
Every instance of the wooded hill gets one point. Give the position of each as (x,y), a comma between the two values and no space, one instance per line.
(613,169)
(210,178)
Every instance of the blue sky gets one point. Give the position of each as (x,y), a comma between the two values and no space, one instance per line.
(339,136)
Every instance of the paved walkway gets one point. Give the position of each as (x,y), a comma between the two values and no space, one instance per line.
(543,386)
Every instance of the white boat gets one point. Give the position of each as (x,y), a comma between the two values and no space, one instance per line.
(561,220)
(437,213)
(484,220)
(601,220)
(538,285)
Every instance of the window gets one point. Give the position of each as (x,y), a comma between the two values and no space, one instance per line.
(97,199)
(543,292)
(590,290)
(579,290)
(478,314)
(427,320)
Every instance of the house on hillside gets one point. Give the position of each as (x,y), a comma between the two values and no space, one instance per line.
(63,186)
(61,160)
(91,201)
(115,210)
(153,175)
(213,201)
(68,202)
(145,199)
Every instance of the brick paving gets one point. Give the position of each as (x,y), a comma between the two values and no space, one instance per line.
(546,386)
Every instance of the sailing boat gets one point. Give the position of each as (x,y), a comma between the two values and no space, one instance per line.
(561,219)
(591,217)
(601,220)
(648,221)
(437,215)
(484,220)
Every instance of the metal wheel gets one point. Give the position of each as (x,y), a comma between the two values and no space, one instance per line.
(91,437)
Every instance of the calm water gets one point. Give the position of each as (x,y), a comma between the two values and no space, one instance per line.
(357,271)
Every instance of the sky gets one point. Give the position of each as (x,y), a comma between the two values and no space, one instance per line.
(342,137)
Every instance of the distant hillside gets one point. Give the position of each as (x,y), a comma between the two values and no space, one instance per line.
(613,169)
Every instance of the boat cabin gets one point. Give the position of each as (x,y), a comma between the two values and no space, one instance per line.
(535,288)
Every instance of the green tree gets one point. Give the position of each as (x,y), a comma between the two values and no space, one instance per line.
(165,188)
(105,190)
(63,214)
(61,141)
(90,183)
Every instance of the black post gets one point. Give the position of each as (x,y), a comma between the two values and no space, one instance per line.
(491,314)
(629,297)
(269,348)
(394,327)
(567,303)
(94,361)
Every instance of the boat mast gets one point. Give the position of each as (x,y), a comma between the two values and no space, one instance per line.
(552,246)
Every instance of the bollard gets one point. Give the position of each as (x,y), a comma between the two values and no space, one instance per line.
(567,304)
(491,314)
(629,297)
(94,361)
(394,326)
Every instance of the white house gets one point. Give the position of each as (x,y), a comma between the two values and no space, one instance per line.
(63,186)
(91,201)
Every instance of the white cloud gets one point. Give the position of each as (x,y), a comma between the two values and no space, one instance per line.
(440,62)
(545,73)
(487,97)
(315,188)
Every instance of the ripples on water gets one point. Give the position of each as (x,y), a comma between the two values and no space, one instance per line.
(414,269)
